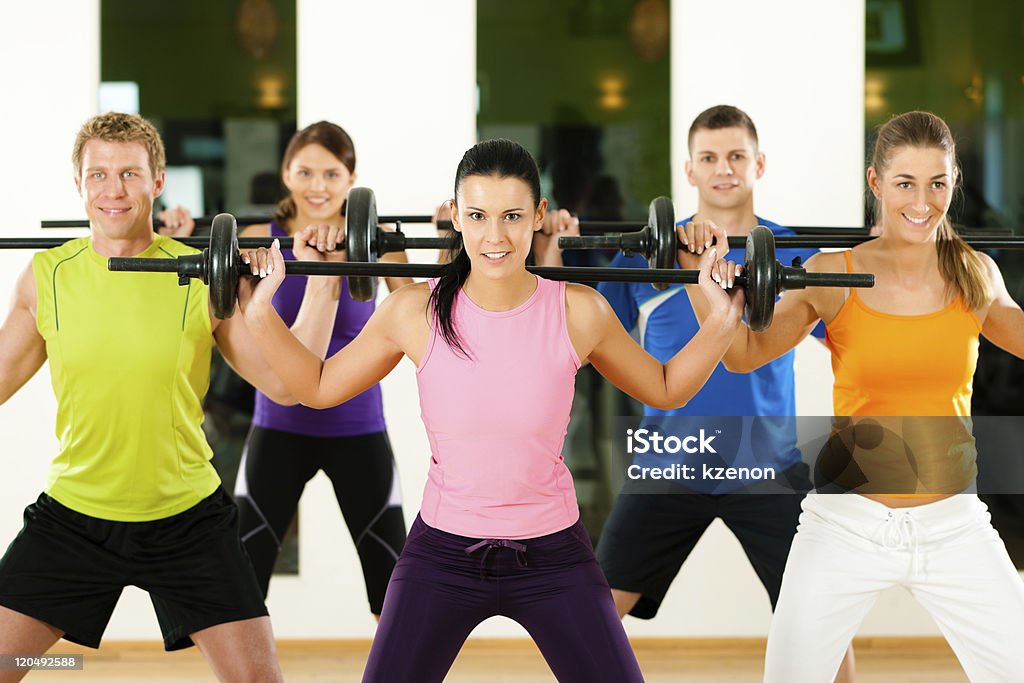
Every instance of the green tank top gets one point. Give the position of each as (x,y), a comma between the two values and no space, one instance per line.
(129,358)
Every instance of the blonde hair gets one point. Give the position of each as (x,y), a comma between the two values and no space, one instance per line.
(960,266)
(117,127)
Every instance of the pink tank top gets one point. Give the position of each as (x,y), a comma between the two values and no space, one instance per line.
(496,421)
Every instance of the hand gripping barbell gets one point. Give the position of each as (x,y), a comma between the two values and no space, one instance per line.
(364,241)
(657,241)
(207,221)
(220,266)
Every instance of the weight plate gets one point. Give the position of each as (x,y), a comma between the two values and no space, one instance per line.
(223,267)
(361,240)
(661,223)
(762,278)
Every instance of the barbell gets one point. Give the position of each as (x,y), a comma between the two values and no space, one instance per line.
(387,242)
(586,227)
(220,266)
(206,221)
(592,227)
(657,242)
(364,240)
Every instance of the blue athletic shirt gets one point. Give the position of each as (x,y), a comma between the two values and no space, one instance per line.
(666,322)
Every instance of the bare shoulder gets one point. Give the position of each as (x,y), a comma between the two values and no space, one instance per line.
(825,302)
(258,230)
(582,295)
(406,302)
(995,277)
(585,305)
(25,289)
(827,262)
(991,267)
(403,318)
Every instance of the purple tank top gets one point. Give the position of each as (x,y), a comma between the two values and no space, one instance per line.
(363,414)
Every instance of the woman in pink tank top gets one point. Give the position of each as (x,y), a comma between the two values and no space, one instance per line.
(496,349)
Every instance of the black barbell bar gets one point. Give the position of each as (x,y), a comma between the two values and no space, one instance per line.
(390,242)
(605,227)
(220,267)
(657,242)
(634,245)
(587,227)
(594,227)
(206,221)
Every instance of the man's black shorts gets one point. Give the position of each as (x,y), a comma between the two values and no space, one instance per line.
(68,569)
(648,536)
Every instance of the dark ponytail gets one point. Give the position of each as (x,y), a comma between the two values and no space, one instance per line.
(499,158)
(442,299)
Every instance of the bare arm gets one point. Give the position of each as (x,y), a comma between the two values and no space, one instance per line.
(238,346)
(1004,322)
(395,283)
(314,322)
(314,382)
(22,349)
(795,317)
(625,364)
(598,333)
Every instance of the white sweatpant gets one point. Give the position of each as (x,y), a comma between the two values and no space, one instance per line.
(849,548)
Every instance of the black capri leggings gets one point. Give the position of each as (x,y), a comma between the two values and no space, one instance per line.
(273,473)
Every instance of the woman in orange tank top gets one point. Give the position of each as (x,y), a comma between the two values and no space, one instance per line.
(903,355)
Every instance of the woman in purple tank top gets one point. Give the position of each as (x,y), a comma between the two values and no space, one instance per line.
(287,445)
(497,350)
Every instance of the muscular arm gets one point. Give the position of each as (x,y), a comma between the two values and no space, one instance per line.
(314,322)
(1004,322)
(396,283)
(22,349)
(239,348)
(359,365)
(795,316)
(312,330)
(596,331)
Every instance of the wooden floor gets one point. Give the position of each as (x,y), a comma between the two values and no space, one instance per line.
(903,660)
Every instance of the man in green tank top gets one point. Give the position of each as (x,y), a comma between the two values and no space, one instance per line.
(131,497)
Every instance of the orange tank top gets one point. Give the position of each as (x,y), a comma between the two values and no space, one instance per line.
(913,375)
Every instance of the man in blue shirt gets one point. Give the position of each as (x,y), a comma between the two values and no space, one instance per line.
(648,536)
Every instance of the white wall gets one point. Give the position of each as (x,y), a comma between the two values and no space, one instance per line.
(50,53)
(798,69)
(400,77)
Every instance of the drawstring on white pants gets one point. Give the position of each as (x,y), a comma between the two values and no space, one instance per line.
(902,533)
